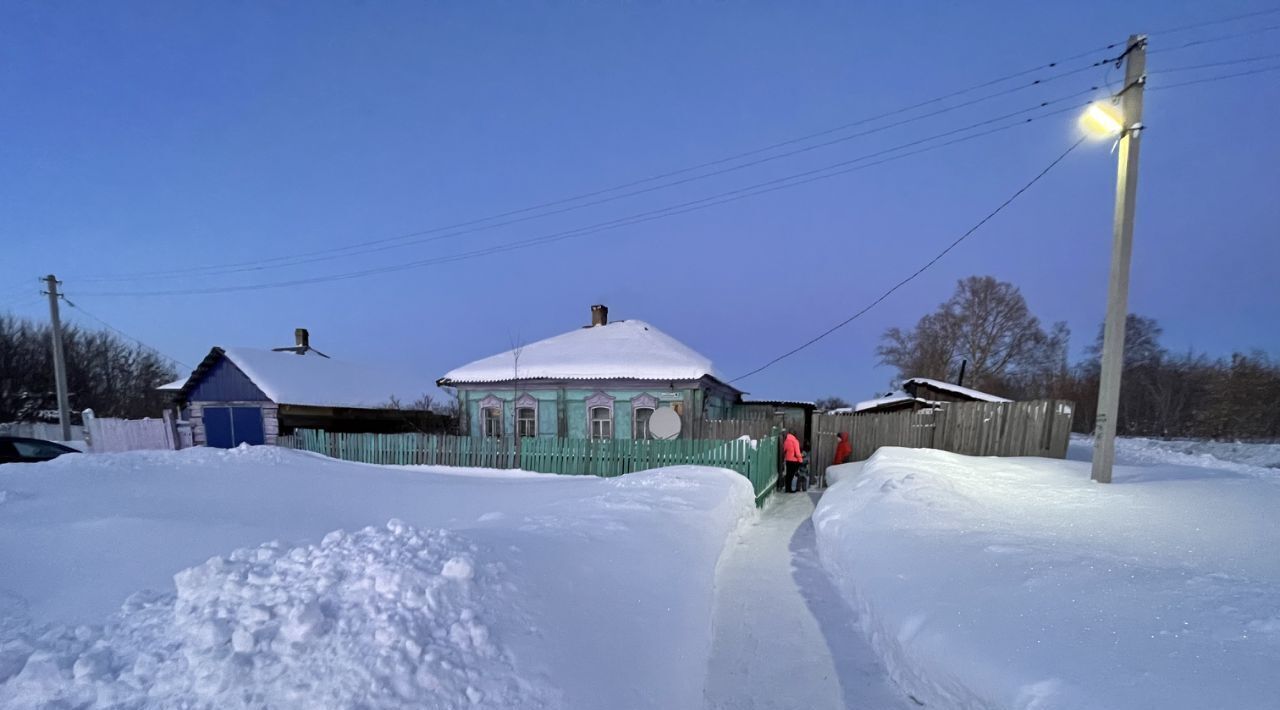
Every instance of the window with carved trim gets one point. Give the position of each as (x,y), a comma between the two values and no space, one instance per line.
(640,423)
(601,423)
(526,422)
(492,422)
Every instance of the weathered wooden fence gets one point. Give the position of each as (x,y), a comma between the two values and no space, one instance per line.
(756,460)
(1039,428)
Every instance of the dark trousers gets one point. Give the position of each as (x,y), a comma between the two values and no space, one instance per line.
(789,478)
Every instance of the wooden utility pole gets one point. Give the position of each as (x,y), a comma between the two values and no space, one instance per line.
(1104,447)
(59,358)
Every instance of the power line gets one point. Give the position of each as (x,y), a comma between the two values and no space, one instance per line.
(1208,79)
(919,271)
(295,259)
(450,235)
(669,211)
(1211,40)
(1219,21)
(1207,65)
(123,334)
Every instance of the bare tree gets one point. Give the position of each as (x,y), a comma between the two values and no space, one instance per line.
(829,403)
(986,322)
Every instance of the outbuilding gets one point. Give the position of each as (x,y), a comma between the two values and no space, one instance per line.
(251,396)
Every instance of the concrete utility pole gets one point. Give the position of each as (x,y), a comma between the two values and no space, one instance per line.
(59,358)
(1104,447)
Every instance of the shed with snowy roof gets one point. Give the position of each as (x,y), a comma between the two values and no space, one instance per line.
(251,396)
(602,381)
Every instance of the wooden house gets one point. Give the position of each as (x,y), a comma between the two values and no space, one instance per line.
(250,396)
(602,381)
(920,393)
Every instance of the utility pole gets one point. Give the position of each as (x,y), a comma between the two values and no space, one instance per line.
(1104,447)
(59,357)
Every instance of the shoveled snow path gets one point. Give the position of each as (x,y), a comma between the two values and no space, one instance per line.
(783,637)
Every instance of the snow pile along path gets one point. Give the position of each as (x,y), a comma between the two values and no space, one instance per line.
(1018,583)
(382,617)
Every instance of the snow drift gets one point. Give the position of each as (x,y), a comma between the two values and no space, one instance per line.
(1018,583)
(487,589)
(386,617)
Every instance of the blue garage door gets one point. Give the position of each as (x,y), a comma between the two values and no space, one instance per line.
(228,427)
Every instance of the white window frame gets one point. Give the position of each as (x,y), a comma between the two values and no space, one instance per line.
(644,401)
(488,404)
(529,402)
(597,401)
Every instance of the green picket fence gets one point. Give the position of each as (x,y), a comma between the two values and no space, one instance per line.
(757,460)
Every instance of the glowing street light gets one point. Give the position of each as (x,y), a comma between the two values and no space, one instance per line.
(1102,120)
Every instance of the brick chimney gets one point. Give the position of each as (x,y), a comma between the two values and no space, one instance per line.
(599,315)
(302,340)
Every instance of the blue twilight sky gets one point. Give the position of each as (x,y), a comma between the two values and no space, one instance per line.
(143,137)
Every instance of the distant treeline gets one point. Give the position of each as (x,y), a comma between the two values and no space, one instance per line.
(987,324)
(104,373)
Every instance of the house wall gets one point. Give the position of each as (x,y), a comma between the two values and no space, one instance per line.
(224,382)
(562,406)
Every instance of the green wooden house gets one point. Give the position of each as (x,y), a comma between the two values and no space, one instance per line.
(602,381)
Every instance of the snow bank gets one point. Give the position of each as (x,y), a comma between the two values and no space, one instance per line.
(531,590)
(1229,455)
(386,617)
(1018,583)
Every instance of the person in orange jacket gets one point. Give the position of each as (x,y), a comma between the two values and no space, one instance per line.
(843,449)
(792,457)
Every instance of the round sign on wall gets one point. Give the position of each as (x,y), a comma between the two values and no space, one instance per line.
(665,423)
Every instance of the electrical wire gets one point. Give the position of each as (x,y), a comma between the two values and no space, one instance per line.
(1209,79)
(1211,40)
(121,333)
(301,258)
(1207,65)
(918,272)
(451,235)
(1219,21)
(672,210)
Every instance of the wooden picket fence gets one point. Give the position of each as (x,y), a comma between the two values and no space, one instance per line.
(756,460)
(1038,428)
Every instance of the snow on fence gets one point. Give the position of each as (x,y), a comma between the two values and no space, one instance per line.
(1038,428)
(757,460)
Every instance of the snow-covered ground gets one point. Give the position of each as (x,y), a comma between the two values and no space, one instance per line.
(1231,455)
(784,637)
(261,577)
(1019,583)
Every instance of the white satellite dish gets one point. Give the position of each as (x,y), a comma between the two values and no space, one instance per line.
(665,423)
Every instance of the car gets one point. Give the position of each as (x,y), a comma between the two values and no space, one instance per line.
(18,449)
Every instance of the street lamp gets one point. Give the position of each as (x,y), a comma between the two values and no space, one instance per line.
(1102,120)
(1125,121)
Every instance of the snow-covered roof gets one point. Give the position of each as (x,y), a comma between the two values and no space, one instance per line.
(888,399)
(625,349)
(314,380)
(173,386)
(955,389)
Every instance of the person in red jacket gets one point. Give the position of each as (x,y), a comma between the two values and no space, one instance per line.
(792,457)
(843,449)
